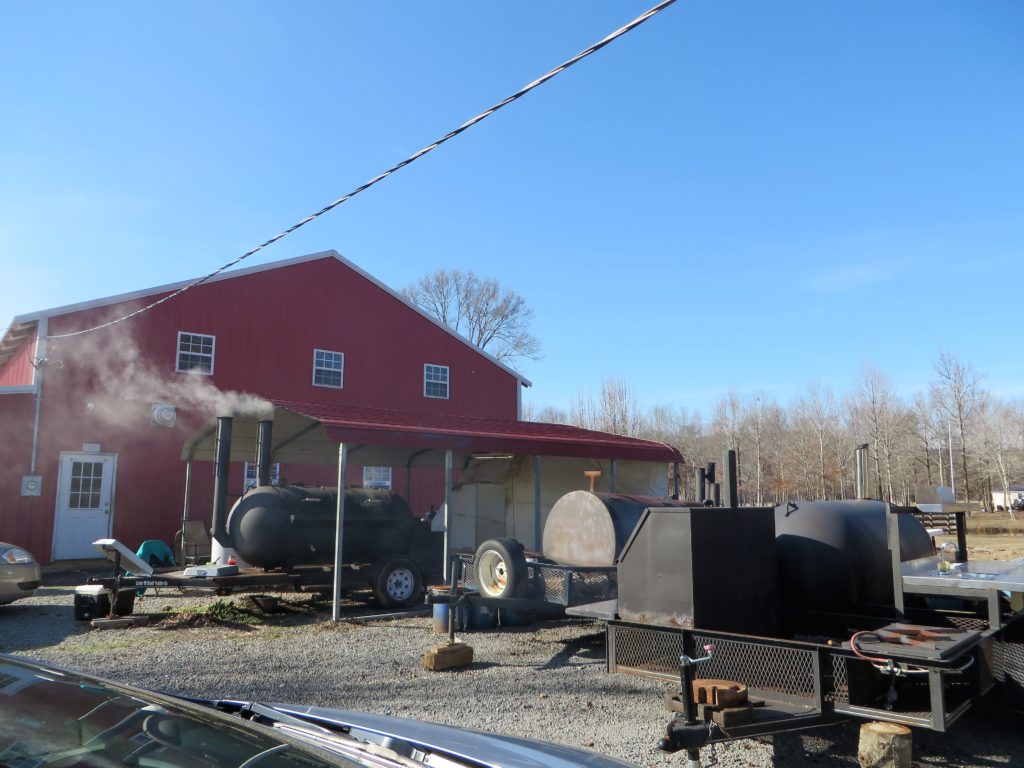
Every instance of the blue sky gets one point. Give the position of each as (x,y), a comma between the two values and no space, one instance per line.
(736,195)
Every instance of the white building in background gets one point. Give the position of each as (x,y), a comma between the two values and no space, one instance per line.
(1016,494)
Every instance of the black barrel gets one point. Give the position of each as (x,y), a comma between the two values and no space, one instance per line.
(285,526)
(834,555)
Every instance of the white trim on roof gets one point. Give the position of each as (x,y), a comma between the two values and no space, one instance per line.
(69,308)
(19,389)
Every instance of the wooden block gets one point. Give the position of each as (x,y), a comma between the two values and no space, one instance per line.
(732,716)
(884,745)
(448,656)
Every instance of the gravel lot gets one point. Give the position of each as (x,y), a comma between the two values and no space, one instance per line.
(545,681)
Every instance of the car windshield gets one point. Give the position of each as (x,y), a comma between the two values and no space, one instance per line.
(59,720)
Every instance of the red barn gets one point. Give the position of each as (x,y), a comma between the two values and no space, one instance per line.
(91,418)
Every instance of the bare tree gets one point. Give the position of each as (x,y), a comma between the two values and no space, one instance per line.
(493,318)
(728,423)
(958,396)
(877,409)
(1000,431)
(548,414)
(616,410)
(815,414)
(755,423)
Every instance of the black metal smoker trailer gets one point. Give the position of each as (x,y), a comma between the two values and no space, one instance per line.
(114,595)
(954,632)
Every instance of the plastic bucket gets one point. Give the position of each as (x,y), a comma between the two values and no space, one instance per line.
(481,617)
(441,613)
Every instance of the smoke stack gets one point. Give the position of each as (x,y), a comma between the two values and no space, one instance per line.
(263,451)
(220,481)
(861,471)
(732,496)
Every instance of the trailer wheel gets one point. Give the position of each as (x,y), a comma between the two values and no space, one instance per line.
(500,568)
(398,583)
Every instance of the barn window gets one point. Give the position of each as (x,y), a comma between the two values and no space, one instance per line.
(377,477)
(195,352)
(328,368)
(435,381)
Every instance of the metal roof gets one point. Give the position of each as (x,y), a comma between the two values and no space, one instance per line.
(311,432)
(31,317)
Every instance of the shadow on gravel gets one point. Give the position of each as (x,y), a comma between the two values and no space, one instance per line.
(586,647)
(990,734)
(987,736)
(831,745)
(24,626)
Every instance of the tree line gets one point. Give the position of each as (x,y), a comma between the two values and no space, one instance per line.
(956,433)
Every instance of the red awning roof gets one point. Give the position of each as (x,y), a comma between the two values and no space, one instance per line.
(368,426)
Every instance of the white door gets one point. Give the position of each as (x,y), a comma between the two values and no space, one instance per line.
(83,504)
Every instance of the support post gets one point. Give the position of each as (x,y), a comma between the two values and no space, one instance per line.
(537,498)
(613,478)
(892,529)
(339,534)
(677,481)
(448,459)
(961,536)
(184,510)
(702,485)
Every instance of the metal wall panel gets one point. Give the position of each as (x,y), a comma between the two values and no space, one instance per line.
(266,325)
(18,371)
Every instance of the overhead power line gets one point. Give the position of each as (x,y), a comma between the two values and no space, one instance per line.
(398,166)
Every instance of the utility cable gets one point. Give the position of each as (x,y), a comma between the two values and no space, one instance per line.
(398,166)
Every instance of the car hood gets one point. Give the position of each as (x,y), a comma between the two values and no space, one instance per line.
(486,749)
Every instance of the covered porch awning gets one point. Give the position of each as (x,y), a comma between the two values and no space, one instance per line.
(310,433)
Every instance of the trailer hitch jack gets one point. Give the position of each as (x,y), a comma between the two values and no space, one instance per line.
(686,731)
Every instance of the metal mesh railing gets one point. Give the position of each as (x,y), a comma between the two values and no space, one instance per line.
(1008,661)
(644,651)
(840,690)
(561,585)
(969,623)
(771,669)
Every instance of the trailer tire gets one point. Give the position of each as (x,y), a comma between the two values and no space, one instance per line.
(500,567)
(397,582)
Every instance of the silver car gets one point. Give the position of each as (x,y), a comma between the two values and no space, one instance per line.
(52,717)
(19,573)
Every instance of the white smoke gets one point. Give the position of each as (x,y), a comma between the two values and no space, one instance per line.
(124,381)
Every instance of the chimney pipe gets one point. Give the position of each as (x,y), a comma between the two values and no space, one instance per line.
(861,471)
(263,452)
(220,481)
(732,496)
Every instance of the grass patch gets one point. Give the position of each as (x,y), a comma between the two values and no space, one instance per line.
(249,612)
(995,523)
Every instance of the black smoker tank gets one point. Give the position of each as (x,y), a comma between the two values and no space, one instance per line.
(701,567)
